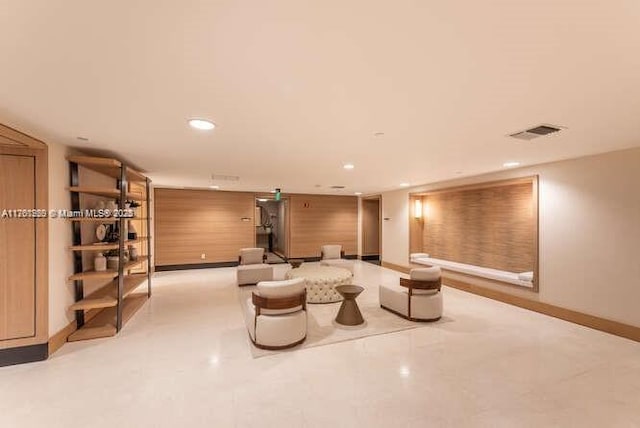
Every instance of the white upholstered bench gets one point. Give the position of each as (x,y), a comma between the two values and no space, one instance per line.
(523,279)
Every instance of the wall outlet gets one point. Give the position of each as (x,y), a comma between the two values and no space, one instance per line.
(203,256)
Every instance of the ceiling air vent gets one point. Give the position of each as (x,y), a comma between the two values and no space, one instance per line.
(220,177)
(538,131)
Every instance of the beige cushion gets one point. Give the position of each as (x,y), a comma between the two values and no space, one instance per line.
(252,274)
(250,256)
(278,330)
(331,251)
(286,288)
(423,306)
(425,274)
(525,276)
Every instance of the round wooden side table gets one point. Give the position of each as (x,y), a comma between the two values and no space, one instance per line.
(349,313)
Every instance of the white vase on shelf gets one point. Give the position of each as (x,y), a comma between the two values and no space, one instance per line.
(100,262)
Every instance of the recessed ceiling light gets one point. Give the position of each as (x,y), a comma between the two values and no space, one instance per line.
(357,193)
(202,124)
(378,134)
(262,200)
(82,138)
(214,187)
(348,166)
(511,164)
(405,184)
(272,191)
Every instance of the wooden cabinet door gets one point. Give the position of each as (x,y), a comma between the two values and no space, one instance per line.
(17,249)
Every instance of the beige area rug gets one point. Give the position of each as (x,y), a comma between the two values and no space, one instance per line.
(321,330)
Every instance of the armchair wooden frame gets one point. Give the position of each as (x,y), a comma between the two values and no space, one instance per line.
(277,303)
(412,284)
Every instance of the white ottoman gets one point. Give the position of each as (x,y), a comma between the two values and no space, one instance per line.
(253,274)
(320,281)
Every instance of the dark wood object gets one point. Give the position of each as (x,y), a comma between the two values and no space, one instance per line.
(295,263)
(349,313)
(413,284)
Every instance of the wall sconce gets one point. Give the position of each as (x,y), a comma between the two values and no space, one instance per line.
(417,208)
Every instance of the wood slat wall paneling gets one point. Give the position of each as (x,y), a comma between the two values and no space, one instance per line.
(491,227)
(316,220)
(189,223)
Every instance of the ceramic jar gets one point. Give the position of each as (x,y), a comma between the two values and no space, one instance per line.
(133,253)
(112,262)
(100,262)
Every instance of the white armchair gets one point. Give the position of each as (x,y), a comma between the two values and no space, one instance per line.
(418,298)
(332,255)
(277,314)
(252,268)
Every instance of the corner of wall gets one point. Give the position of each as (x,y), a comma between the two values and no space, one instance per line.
(61,293)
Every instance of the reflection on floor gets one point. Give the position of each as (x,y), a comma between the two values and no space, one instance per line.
(273,258)
(185,360)
(375,260)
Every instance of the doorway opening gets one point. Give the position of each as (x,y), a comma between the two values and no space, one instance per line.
(371,229)
(271,228)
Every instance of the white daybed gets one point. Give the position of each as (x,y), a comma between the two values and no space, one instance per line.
(524,279)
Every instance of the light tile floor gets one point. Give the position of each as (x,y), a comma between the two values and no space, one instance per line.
(184,360)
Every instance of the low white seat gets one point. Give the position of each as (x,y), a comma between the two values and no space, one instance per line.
(332,255)
(277,314)
(523,279)
(252,268)
(418,298)
(321,281)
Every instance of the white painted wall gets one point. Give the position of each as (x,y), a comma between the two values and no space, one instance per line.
(61,293)
(589,232)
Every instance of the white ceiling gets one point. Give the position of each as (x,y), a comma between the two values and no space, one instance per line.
(298,87)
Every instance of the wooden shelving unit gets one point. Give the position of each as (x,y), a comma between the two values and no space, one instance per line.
(106,192)
(106,246)
(93,219)
(107,296)
(104,311)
